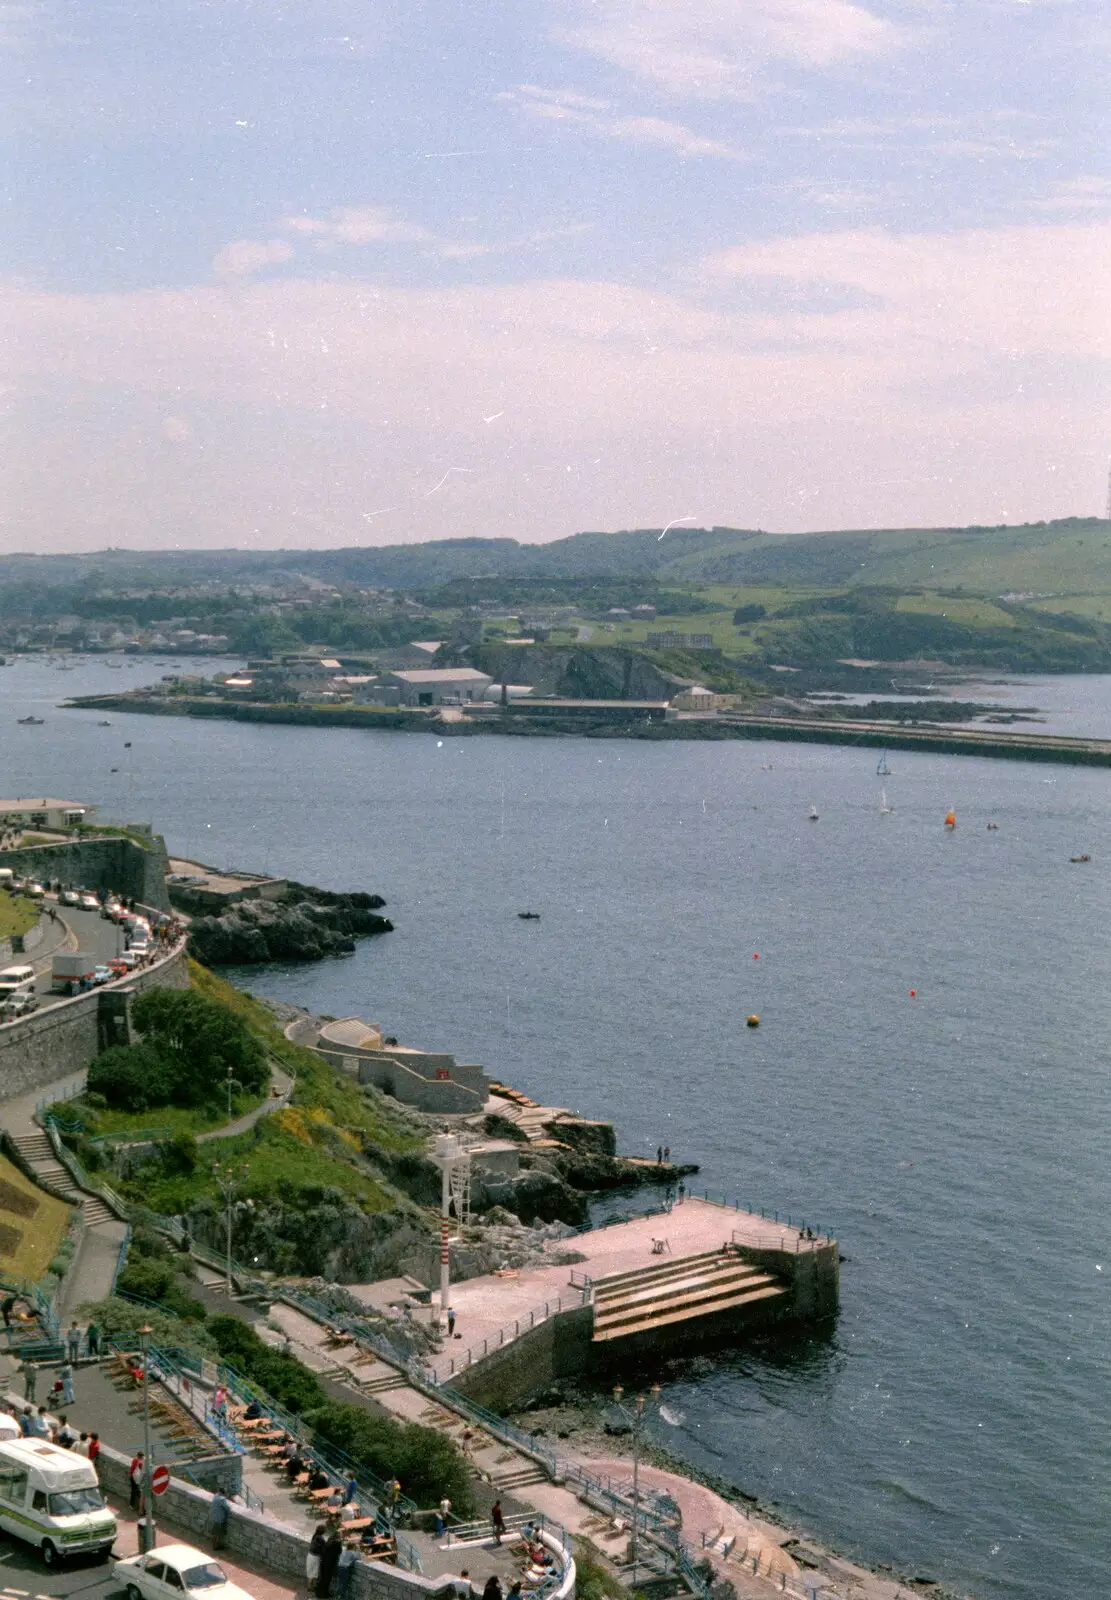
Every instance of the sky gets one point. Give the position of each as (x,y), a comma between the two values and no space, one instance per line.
(329,272)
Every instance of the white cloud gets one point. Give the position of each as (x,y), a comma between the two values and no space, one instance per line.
(716,48)
(960,382)
(355,225)
(602,118)
(1077,197)
(244,256)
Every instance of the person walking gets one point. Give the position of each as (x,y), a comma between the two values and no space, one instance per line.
(73,1342)
(30,1380)
(350,1489)
(7,1306)
(135,1480)
(497,1521)
(67,1385)
(450,1321)
(92,1340)
(315,1552)
(667,1155)
(329,1561)
(218,1520)
(659,1155)
(443,1512)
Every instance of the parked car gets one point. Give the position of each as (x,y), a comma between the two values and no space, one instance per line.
(19,1004)
(103,975)
(170,1568)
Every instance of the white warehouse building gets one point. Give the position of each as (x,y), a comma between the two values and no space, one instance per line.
(442,686)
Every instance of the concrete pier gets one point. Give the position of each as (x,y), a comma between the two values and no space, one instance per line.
(700,1274)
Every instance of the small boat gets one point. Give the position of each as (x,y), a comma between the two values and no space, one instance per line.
(885,809)
(882,769)
(113,769)
(104,724)
(812,814)
(1080,858)
(529,916)
(993,827)
(30,722)
(950,820)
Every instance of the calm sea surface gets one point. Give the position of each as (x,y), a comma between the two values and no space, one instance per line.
(958,1144)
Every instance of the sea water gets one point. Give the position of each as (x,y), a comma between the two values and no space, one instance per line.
(953,1423)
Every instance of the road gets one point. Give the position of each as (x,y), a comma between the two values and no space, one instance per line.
(102,938)
(23,1575)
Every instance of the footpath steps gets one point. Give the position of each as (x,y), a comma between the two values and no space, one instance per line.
(678,1291)
(37,1151)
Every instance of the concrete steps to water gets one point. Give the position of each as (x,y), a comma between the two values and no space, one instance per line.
(381,1384)
(678,1291)
(518,1477)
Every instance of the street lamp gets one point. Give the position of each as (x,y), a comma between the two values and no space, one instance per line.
(232,1083)
(146,1520)
(636,1418)
(227,1179)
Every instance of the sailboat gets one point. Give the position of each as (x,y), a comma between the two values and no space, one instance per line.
(812,815)
(882,769)
(885,809)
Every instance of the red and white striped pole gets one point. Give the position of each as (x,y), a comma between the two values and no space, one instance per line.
(445,1272)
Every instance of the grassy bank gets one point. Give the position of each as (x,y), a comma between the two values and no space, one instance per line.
(17,915)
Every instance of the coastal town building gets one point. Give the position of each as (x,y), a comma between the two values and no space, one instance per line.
(443,686)
(46,813)
(680,641)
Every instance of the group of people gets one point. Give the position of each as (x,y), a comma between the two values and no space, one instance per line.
(61,1388)
(329,1563)
(39,1424)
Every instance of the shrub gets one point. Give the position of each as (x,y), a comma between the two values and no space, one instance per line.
(283,1377)
(427,1465)
(132,1077)
(203,1040)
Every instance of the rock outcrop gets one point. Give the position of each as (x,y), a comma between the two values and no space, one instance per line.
(305,925)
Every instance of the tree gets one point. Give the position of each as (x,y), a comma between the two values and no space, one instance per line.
(132,1077)
(202,1041)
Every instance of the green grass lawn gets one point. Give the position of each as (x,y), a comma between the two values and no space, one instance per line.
(17,915)
(165,1119)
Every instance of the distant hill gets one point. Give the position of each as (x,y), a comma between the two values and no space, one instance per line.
(1069,557)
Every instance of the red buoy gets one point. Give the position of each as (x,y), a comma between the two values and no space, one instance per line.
(914,994)
(756,955)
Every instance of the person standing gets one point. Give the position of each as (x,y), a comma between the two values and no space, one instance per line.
(329,1561)
(30,1380)
(497,1521)
(94,1447)
(40,1425)
(345,1570)
(7,1306)
(315,1552)
(218,1520)
(450,1321)
(492,1590)
(92,1340)
(67,1385)
(81,1448)
(350,1488)
(135,1480)
(73,1342)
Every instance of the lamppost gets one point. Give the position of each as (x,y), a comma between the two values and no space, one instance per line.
(232,1083)
(636,1418)
(146,1519)
(227,1179)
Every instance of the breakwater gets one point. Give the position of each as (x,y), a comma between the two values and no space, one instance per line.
(547,723)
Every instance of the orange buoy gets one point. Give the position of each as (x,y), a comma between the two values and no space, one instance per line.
(950,819)
(756,955)
(752,1021)
(914,994)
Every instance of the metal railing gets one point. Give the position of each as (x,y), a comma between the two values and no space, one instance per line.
(518,1522)
(813,1237)
(513,1330)
(121,1259)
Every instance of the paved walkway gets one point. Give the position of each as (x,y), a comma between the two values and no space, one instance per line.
(280,1084)
(94,1271)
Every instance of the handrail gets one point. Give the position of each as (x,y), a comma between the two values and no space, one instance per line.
(121,1259)
(514,1330)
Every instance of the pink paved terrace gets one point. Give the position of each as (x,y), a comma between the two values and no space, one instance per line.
(483,1306)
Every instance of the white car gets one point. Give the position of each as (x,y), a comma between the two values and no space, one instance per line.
(175,1570)
(69,897)
(89,902)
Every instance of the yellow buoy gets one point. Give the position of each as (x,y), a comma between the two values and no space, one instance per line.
(753,1021)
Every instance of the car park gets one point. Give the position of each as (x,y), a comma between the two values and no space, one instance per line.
(175,1570)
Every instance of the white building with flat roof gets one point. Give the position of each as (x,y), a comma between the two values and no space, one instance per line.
(45,813)
(443,686)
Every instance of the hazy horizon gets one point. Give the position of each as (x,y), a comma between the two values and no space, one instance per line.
(312,277)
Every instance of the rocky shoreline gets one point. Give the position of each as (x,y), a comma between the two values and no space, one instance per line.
(304,924)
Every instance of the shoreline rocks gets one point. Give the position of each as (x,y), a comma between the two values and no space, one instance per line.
(305,925)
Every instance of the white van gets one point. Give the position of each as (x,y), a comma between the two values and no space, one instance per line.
(13,978)
(51,1498)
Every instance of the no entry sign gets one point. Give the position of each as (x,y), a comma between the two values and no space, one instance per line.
(160,1480)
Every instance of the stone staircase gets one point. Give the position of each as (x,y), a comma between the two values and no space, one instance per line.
(518,1475)
(36,1150)
(678,1291)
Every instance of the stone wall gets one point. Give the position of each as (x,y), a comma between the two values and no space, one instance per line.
(115,864)
(62,1039)
(261,1539)
(559,1348)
